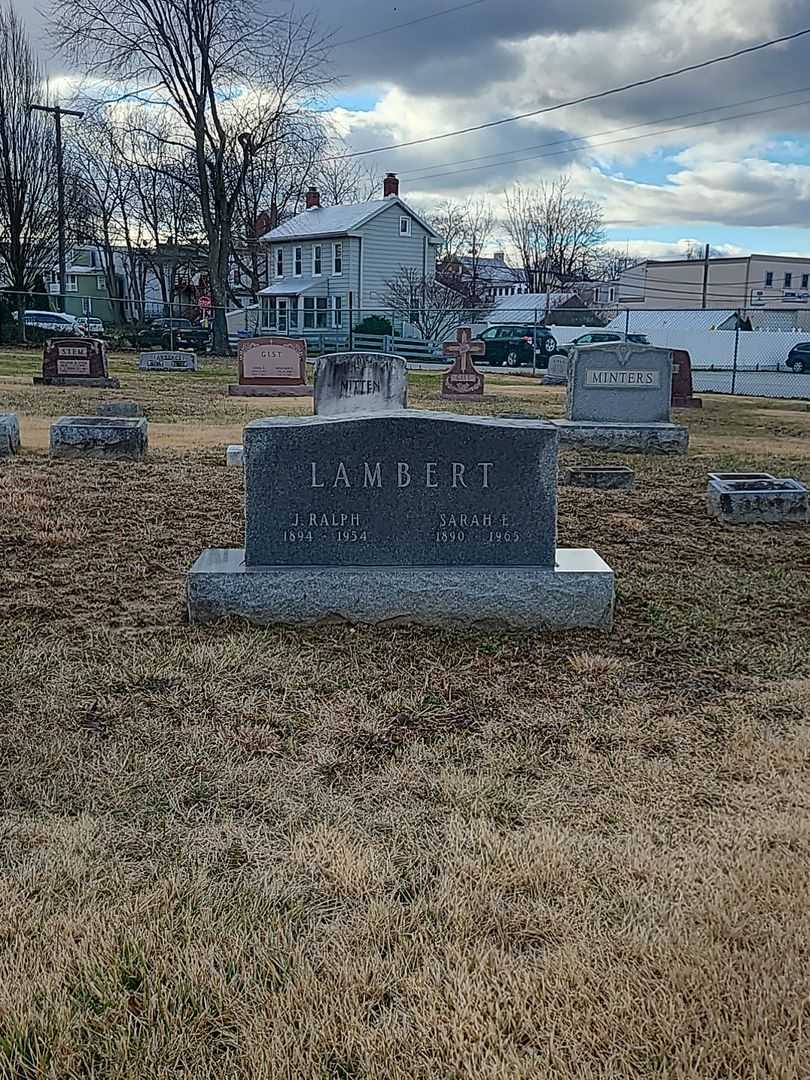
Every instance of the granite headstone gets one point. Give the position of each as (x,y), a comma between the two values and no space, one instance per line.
(9,434)
(365,382)
(75,361)
(105,437)
(620,382)
(682,393)
(179,360)
(272,367)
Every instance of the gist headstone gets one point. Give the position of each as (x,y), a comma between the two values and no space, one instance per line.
(167,361)
(405,517)
(272,367)
(618,399)
(463,381)
(360,382)
(75,361)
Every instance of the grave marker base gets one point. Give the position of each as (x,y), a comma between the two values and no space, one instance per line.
(616,438)
(576,593)
(244,390)
(77,380)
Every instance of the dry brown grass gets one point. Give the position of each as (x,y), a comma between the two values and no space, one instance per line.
(399,854)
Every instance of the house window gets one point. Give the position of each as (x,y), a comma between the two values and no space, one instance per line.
(71,283)
(404,226)
(788,280)
(298,259)
(309,312)
(769,279)
(337,259)
(322,312)
(317,261)
(611,295)
(337,312)
(101,283)
(280,263)
(805,280)
(268,312)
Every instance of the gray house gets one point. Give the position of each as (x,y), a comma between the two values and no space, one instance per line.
(329,260)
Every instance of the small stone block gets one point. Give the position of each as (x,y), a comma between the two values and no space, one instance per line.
(605,477)
(576,592)
(235,455)
(623,438)
(723,476)
(770,500)
(9,434)
(104,437)
(126,409)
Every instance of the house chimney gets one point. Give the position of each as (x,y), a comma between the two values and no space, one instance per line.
(499,256)
(390,184)
(313,198)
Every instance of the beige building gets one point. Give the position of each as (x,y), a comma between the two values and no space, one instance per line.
(749,282)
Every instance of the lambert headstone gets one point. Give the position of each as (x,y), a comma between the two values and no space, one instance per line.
(404,517)
(75,361)
(618,399)
(463,381)
(167,361)
(9,434)
(106,437)
(272,367)
(360,382)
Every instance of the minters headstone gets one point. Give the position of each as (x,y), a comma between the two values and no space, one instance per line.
(463,381)
(272,367)
(360,382)
(404,517)
(167,361)
(618,399)
(75,361)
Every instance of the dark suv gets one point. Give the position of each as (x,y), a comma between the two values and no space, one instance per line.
(799,358)
(172,334)
(517,344)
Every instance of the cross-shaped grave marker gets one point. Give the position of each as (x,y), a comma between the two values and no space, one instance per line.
(462,380)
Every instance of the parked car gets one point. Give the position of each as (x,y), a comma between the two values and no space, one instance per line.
(799,358)
(57,322)
(597,337)
(518,344)
(172,334)
(91,325)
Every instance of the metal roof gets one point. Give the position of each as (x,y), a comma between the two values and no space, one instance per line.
(289,286)
(645,320)
(338,220)
(522,306)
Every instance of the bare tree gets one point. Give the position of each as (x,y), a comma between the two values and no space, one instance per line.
(433,308)
(480,222)
(28,210)
(449,219)
(610,263)
(555,232)
(344,180)
(231,79)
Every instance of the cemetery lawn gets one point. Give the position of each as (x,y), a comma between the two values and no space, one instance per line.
(397,853)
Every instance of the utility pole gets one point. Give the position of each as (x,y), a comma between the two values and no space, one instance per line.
(58,113)
(705,274)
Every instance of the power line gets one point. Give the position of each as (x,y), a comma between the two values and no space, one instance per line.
(411,22)
(609,131)
(614,142)
(580,100)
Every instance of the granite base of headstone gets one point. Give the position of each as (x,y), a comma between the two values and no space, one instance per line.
(77,361)
(9,434)
(360,382)
(235,455)
(463,381)
(272,367)
(556,374)
(104,437)
(682,392)
(618,400)
(407,517)
(126,409)
(602,477)
(179,360)
(757,499)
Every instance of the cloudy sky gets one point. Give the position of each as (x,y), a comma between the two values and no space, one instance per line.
(738,182)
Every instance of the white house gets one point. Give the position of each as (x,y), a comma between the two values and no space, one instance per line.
(328,260)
